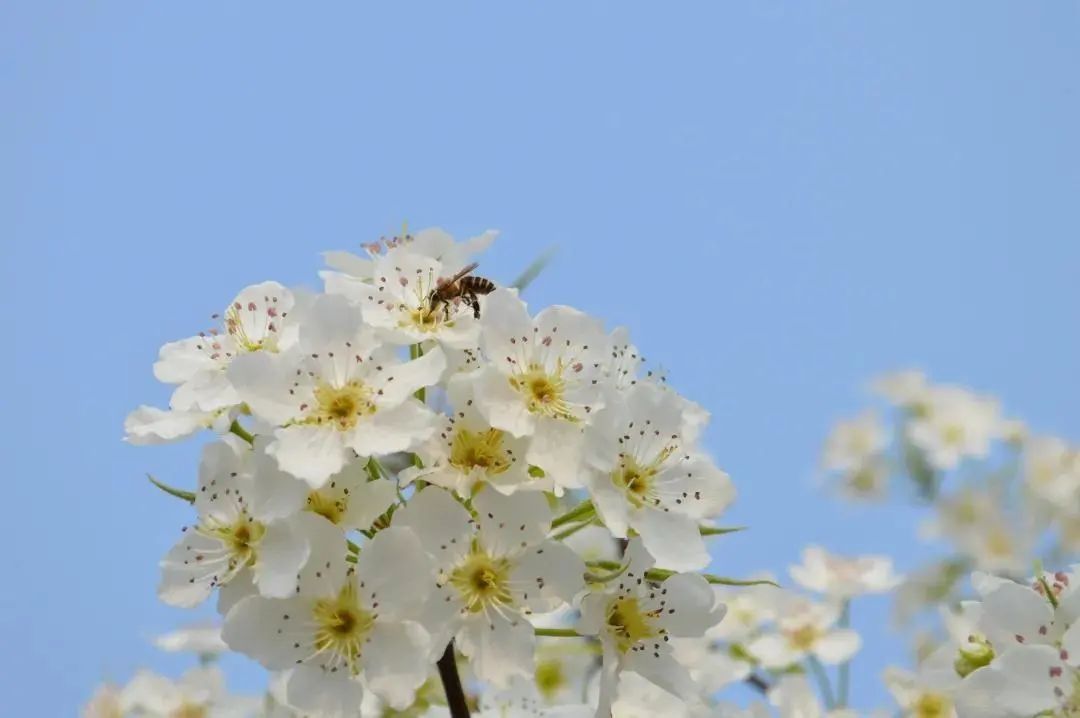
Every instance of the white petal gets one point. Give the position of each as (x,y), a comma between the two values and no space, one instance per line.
(691,605)
(557,448)
(272,493)
(192,568)
(552,575)
(240,587)
(269,629)
(282,552)
(394,572)
(773,651)
(837,646)
(673,540)
(263,381)
(659,667)
(331,321)
(311,453)
(395,661)
(393,429)
(501,406)
(440,522)
(401,381)
(316,692)
(509,523)
(367,502)
(150,425)
(326,569)
(180,361)
(499,647)
(507,330)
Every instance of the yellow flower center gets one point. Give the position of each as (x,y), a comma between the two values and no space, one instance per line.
(342,626)
(424,319)
(333,509)
(241,538)
(803,638)
(543,392)
(931,705)
(550,677)
(190,710)
(482,580)
(953,434)
(629,623)
(479,450)
(341,406)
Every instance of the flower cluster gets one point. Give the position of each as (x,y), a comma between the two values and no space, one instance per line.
(405,465)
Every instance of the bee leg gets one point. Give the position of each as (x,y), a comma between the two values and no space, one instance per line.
(474,303)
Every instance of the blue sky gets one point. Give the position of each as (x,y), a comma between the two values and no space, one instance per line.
(779,199)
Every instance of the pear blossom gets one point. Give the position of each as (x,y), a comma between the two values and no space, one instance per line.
(201,638)
(634,618)
(923,694)
(468,453)
(248,523)
(844,578)
(907,388)
(351,275)
(544,380)
(647,475)
(953,425)
(344,624)
(199,692)
(493,572)
(105,703)
(806,629)
(260,319)
(854,443)
(338,392)
(1052,470)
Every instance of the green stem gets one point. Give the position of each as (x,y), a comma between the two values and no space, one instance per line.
(571,530)
(533,270)
(822,680)
(843,680)
(415,352)
(659,574)
(718,531)
(240,431)
(188,496)
(585,508)
(557,632)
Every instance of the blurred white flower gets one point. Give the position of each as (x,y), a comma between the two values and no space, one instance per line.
(843,578)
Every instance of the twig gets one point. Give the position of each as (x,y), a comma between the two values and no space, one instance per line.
(451,680)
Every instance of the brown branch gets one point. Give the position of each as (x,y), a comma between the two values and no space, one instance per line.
(451,680)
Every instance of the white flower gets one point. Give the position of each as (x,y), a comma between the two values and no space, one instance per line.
(466,452)
(199,692)
(544,380)
(634,618)
(105,703)
(247,521)
(794,698)
(926,694)
(638,697)
(339,391)
(343,624)
(521,700)
(904,388)
(491,578)
(955,424)
(648,476)
(854,443)
(843,578)
(593,543)
(806,629)
(1052,470)
(260,319)
(200,638)
(748,609)
(352,276)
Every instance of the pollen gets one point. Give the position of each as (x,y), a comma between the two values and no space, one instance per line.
(341,406)
(932,705)
(331,508)
(544,392)
(241,539)
(803,638)
(342,627)
(550,677)
(482,450)
(629,623)
(482,581)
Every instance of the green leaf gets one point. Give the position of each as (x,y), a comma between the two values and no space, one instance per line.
(533,270)
(188,496)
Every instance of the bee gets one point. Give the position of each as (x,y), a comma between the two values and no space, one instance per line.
(463,286)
